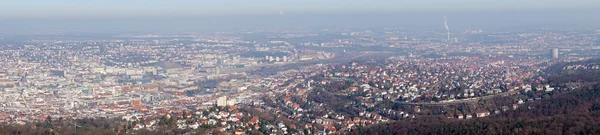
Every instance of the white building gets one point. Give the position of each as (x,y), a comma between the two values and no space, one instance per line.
(222,101)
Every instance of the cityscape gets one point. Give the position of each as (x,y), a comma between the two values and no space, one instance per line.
(227,81)
(337,78)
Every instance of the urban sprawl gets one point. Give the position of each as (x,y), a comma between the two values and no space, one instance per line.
(292,81)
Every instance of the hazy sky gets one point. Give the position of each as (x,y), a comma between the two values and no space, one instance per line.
(217,15)
(124,8)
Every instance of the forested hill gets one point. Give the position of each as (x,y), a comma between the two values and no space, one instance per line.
(568,72)
(571,112)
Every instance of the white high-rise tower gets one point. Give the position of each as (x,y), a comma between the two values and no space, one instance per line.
(555,53)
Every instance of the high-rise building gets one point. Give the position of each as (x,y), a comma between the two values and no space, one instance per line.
(555,53)
(284,58)
(222,101)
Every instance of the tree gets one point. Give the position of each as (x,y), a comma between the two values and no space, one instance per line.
(48,123)
(162,120)
(172,122)
(143,121)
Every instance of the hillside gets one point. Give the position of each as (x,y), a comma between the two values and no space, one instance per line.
(575,111)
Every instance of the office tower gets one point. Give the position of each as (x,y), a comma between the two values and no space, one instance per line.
(222,101)
(555,53)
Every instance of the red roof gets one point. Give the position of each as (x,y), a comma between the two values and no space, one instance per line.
(253,120)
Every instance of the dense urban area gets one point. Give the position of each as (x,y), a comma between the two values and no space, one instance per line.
(301,81)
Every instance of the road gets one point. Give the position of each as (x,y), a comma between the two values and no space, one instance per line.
(462,100)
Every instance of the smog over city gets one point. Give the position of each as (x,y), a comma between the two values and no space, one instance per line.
(299,67)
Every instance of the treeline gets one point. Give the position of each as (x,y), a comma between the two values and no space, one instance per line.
(100,126)
(556,75)
(96,126)
(332,102)
(559,124)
